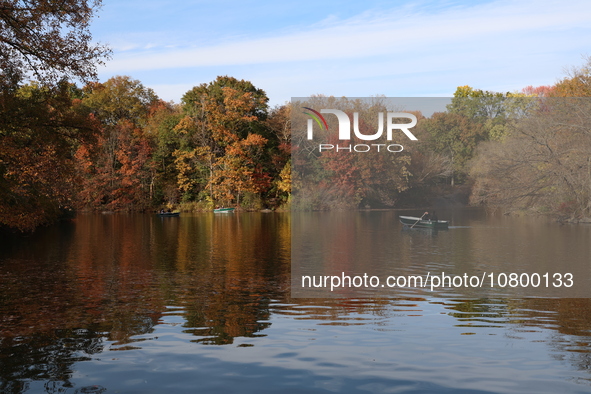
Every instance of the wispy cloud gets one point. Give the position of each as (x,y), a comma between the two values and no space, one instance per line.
(416,48)
(372,34)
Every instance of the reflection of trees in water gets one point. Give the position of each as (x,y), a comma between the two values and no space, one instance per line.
(227,316)
(47,348)
(227,280)
(487,312)
(59,306)
(347,311)
(66,293)
(48,356)
(570,319)
(112,278)
(567,319)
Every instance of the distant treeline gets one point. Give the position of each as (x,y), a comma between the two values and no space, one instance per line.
(116,146)
(527,151)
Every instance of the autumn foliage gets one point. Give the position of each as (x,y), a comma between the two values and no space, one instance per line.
(115,145)
(37,161)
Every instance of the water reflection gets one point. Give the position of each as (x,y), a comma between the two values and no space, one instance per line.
(87,305)
(372,243)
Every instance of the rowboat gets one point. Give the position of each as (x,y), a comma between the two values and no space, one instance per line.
(224,210)
(169,214)
(422,223)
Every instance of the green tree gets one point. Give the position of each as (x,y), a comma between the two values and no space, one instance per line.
(491,109)
(161,123)
(221,120)
(120,98)
(455,136)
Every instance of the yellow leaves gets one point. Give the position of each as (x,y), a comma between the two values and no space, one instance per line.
(186,125)
(250,148)
(237,109)
(464,91)
(254,140)
(284,182)
(183,162)
(577,83)
(239,104)
(120,98)
(239,170)
(188,163)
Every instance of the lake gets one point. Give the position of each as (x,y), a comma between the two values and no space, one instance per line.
(135,303)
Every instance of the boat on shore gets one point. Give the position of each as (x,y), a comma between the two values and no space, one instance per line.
(415,222)
(224,210)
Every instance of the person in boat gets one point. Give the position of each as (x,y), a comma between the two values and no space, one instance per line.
(434,216)
(162,210)
(426,216)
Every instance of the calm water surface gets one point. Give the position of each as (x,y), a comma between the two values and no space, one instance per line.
(201,303)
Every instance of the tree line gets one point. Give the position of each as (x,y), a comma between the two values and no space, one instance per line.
(115,145)
(542,162)
(525,151)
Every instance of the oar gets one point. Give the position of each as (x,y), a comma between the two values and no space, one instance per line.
(418,220)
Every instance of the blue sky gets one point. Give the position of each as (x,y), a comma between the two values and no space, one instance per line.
(344,48)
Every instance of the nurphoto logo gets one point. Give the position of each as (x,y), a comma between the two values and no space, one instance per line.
(344,130)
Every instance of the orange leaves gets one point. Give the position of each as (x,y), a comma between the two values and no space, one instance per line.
(117,171)
(232,114)
(185,126)
(222,142)
(116,146)
(39,131)
(238,105)
(240,170)
(250,148)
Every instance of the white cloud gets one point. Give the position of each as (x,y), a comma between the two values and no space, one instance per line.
(411,50)
(390,34)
